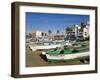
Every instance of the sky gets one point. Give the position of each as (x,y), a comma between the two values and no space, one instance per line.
(51,21)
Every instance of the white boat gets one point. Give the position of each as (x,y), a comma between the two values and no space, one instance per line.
(67,56)
(64,54)
(47,45)
(41,47)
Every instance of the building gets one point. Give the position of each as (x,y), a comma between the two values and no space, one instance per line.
(72,33)
(28,35)
(86,31)
(70,36)
(59,37)
(78,32)
(36,34)
(50,37)
(82,32)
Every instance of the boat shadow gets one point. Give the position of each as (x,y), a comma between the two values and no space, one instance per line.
(43,57)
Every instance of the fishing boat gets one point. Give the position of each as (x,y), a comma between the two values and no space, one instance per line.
(42,47)
(48,45)
(66,54)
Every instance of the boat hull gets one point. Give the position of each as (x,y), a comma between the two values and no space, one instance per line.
(67,56)
(34,48)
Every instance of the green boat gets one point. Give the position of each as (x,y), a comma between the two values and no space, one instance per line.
(66,53)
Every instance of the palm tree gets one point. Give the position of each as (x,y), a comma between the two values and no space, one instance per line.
(68,30)
(82,24)
(58,31)
(49,31)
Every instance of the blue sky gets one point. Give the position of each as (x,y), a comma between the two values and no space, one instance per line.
(54,22)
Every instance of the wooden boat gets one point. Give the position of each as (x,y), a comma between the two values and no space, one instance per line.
(66,54)
(48,45)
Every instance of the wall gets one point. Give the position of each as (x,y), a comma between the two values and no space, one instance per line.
(5,40)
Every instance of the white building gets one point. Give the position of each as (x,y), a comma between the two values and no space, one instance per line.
(82,32)
(78,32)
(86,31)
(36,34)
